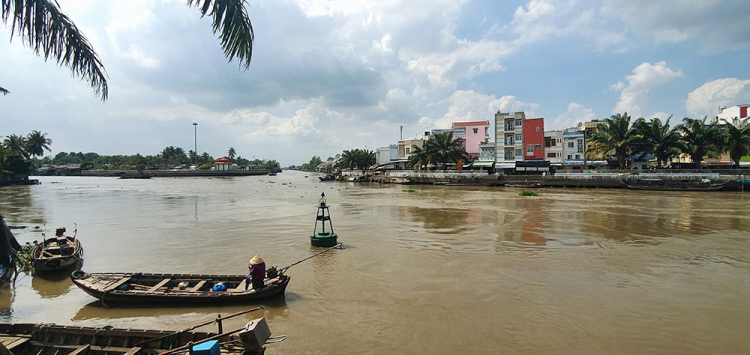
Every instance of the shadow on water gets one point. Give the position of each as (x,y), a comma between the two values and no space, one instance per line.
(95,310)
(7,294)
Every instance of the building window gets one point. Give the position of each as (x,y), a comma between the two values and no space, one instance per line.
(407,150)
(530,149)
(547,142)
(537,129)
(519,123)
(519,138)
(519,152)
(580,146)
(538,147)
(578,156)
(559,141)
(476,130)
(552,142)
(570,157)
(509,140)
(551,155)
(559,154)
(571,144)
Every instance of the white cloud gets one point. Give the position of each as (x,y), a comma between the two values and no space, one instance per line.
(645,78)
(576,113)
(468,105)
(716,24)
(303,123)
(713,94)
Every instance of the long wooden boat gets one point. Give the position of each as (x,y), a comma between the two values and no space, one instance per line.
(57,253)
(662,185)
(185,288)
(35,339)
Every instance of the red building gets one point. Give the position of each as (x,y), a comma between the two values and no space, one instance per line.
(533,139)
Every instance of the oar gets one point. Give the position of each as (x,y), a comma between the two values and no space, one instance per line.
(337,246)
(199,325)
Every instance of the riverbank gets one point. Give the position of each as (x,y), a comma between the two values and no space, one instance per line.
(172,173)
(587,180)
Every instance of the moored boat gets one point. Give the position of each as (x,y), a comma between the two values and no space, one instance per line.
(674,185)
(57,253)
(184,288)
(34,339)
(327,178)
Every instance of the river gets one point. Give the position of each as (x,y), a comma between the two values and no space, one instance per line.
(426,269)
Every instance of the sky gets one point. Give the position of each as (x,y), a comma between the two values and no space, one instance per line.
(334,75)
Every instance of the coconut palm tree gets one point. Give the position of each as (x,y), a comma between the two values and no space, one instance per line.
(418,157)
(442,148)
(737,139)
(16,145)
(616,134)
(231,153)
(37,142)
(659,139)
(699,138)
(44,28)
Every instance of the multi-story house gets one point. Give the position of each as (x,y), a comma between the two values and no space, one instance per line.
(405,147)
(472,135)
(573,147)
(553,147)
(387,154)
(508,139)
(730,114)
(533,139)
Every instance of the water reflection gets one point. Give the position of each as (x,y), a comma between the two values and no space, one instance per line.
(52,285)
(441,220)
(7,294)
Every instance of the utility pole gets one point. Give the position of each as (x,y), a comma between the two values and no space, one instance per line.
(195,125)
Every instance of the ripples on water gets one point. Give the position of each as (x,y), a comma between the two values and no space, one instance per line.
(440,270)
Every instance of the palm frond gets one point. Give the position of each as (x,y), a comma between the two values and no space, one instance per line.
(230,17)
(3,91)
(49,32)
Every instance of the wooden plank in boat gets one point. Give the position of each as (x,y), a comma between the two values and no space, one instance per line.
(118,283)
(12,342)
(81,350)
(159,285)
(198,286)
(133,351)
(241,286)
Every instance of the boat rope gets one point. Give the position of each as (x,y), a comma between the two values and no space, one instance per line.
(102,298)
(285,268)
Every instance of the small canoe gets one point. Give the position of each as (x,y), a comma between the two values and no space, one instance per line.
(57,253)
(33,339)
(185,288)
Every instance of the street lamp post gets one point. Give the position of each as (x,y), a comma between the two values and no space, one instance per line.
(195,149)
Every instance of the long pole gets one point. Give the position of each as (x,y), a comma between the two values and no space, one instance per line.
(195,149)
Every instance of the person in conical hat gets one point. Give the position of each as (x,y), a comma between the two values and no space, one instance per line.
(257,267)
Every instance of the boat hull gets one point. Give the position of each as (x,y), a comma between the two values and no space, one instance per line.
(32,339)
(142,288)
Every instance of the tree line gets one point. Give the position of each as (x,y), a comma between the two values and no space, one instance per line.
(694,137)
(16,153)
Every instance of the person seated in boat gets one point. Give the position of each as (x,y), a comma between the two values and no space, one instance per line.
(257,268)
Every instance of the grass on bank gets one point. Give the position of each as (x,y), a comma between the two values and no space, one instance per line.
(528,193)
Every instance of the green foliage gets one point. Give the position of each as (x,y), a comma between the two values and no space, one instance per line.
(528,193)
(24,257)
(312,164)
(617,135)
(737,139)
(16,153)
(658,139)
(442,149)
(356,159)
(700,139)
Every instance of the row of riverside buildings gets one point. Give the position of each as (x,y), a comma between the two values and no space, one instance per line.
(521,139)
(517,139)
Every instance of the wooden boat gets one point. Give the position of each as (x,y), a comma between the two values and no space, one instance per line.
(57,253)
(327,178)
(662,185)
(35,339)
(185,288)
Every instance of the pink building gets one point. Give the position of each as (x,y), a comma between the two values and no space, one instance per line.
(473,134)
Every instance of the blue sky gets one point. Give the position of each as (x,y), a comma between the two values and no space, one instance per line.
(330,75)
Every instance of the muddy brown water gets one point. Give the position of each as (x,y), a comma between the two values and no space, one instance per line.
(436,270)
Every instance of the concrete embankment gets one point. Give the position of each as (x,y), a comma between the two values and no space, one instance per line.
(591,180)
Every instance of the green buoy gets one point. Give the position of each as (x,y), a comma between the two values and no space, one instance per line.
(323,238)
